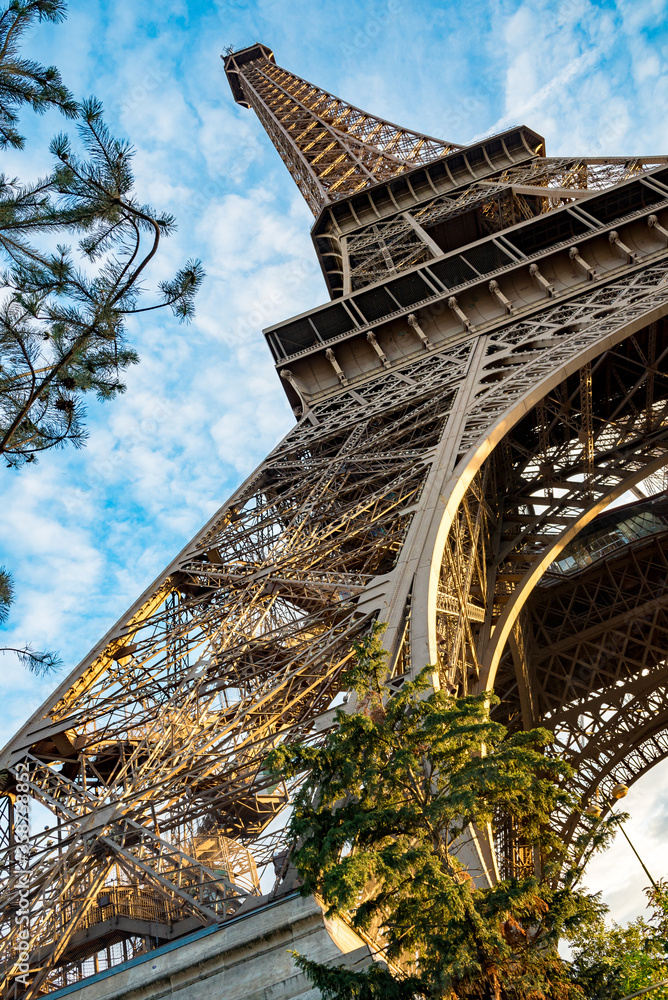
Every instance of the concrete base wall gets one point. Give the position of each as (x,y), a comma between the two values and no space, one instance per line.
(246,959)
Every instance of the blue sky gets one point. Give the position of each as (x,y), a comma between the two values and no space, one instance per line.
(85,532)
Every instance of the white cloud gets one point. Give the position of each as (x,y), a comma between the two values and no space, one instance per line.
(617,873)
(86,532)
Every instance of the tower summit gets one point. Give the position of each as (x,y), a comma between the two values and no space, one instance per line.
(488,376)
(331,148)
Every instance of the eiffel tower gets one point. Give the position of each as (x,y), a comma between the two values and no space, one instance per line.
(485,386)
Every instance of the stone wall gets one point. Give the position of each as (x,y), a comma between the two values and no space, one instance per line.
(246,959)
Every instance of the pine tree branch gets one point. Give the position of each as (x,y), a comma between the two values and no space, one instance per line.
(41,663)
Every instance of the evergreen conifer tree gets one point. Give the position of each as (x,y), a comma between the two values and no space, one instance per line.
(612,962)
(392,795)
(62,319)
(63,309)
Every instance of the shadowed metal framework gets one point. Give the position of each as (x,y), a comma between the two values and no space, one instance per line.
(489,376)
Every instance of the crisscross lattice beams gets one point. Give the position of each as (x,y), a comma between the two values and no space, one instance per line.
(463,584)
(331,148)
(600,436)
(540,467)
(170,728)
(604,626)
(242,644)
(595,415)
(620,736)
(615,734)
(500,201)
(598,629)
(599,640)
(109,850)
(596,651)
(522,539)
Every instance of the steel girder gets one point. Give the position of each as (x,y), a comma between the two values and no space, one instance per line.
(498,202)
(588,658)
(442,459)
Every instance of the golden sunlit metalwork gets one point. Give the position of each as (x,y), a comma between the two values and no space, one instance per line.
(489,376)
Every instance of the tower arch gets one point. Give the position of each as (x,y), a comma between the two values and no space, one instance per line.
(561,462)
(488,375)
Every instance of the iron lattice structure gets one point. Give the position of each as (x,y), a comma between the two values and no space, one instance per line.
(331,148)
(489,376)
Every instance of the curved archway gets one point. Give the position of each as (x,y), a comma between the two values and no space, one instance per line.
(593,643)
(600,430)
(511,376)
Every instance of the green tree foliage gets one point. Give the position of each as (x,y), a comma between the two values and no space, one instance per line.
(23,81)
(612,962)
(6,594)
(64,309)
(39,662)
(391,796)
